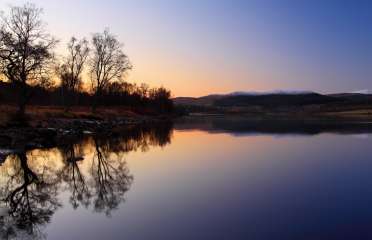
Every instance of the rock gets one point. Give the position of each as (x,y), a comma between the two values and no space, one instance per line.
(47,132)
(51,132)
(4,153)
(34,145)
(40,138)
(75,159)
(5,141)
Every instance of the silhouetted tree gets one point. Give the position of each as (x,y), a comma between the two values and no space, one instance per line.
(161,99)
(108,63)
(25,50)
(143,90)
(71,69)
(120,94)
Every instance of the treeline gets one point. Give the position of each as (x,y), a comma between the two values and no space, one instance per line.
(91,73)
(140,99)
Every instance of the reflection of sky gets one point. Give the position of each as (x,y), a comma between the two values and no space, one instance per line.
(209,186)
(252,188)
(198,47)
(204,186)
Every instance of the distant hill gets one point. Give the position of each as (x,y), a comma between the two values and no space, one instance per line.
(201,101)
(279,100)
(274,100)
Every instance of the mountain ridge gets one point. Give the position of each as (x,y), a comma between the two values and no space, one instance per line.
(277,101)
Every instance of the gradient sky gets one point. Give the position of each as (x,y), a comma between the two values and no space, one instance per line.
(198,47)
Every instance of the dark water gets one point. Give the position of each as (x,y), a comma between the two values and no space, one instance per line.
(196,179)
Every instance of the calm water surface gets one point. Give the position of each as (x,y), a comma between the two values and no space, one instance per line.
(200,179)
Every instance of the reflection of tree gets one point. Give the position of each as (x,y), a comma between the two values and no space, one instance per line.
(140,137)
(72,175)
(110,179)
(31,193)
(31,201)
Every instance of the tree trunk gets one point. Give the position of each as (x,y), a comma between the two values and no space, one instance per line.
(23,98)
(68,99)
(95,101)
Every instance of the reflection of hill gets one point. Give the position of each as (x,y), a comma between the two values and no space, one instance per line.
(241,126)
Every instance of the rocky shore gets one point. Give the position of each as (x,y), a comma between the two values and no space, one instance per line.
(54,132)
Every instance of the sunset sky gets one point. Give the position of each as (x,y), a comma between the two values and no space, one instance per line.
(198,47)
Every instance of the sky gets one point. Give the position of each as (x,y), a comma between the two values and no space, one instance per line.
(200,47)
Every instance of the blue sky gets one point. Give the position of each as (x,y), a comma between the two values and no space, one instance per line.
(199,47)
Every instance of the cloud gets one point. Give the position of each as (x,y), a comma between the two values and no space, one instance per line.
(363,91)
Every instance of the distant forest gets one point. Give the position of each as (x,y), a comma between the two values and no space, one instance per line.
(140,99)
(91,72)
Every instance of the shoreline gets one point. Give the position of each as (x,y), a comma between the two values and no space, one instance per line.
(52,132)
(46,132)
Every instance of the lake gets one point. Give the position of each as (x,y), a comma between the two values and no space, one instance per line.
(198,178)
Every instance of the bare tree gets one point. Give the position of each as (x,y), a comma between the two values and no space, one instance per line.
(72,68)
(108,63)
(25,49)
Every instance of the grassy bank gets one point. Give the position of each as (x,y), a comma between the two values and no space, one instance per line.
(38,114)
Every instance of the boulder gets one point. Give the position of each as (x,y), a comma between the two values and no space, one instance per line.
(5,141)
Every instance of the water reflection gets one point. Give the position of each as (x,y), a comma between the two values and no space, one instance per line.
(91,174)
(110,179)
(30,198)
(92,171)
(72,175)
(240,125)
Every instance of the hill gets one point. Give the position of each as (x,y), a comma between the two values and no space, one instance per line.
(201,101)
(279,102)
(274,100)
